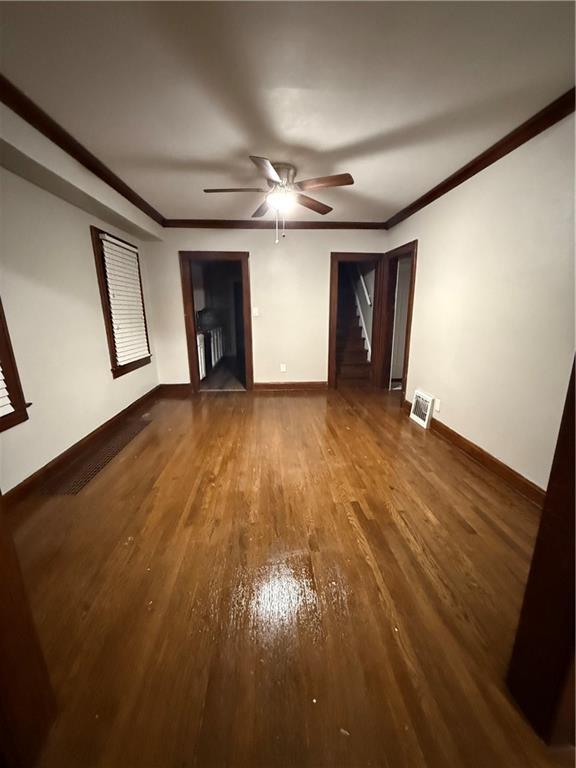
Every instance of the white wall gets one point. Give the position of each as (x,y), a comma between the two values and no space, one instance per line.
(290,287)
(493,323)
(50,295)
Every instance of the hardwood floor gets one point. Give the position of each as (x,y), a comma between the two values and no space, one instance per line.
(225,377)
(282,579)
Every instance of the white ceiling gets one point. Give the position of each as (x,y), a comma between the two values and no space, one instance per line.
(173,97)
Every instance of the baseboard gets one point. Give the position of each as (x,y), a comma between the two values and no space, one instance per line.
(58,463)
(176,391)
(514,479)
(306,386)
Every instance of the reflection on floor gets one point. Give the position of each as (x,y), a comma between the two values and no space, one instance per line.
(223,378)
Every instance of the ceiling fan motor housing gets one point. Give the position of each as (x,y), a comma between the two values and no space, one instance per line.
(287,173)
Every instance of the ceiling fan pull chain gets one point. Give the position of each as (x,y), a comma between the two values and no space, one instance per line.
(283,224)
(276,227)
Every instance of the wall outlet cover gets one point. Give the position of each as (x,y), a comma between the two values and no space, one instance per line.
(436,405)
(255,312)
(283,367)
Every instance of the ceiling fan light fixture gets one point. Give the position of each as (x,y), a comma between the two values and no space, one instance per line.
(281,200)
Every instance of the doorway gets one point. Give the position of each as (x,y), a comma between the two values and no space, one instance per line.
(354,322)
(371,301)
(216,293)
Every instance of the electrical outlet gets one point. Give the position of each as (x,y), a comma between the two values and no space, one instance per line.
(255,312)
(282,367)
(436,405)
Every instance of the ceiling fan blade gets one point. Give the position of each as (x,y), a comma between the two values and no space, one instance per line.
(261,210)
(265,166)
(314,205)
(237,189)
(338,180)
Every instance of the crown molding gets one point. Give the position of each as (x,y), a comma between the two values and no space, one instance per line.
(23,106)
(259,224)
(546,118)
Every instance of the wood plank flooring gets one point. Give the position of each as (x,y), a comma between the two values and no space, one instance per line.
(282,579)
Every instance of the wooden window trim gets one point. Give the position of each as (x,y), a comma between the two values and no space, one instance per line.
(12,378)
(117,370)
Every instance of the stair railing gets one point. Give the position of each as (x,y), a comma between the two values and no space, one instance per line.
(363,283)
(365,333)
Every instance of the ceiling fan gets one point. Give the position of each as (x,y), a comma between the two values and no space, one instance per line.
(284,191)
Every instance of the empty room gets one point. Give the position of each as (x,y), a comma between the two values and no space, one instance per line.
(287,384)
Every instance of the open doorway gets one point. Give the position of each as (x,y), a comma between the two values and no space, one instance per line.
(354,322)
(216,294)
(371,300)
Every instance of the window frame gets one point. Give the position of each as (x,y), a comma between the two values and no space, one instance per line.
(11,377)
(117,370)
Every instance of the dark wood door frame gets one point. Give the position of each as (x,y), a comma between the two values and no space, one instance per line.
(383,311)
(187,258)
(541,672)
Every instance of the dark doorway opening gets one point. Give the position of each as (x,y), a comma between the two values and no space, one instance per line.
(371,301)
(216,295)
(354,323)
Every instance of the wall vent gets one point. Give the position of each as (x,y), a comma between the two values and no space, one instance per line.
(94,458)
(422,407)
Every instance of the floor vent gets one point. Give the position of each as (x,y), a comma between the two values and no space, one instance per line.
(83,469)
(422,407)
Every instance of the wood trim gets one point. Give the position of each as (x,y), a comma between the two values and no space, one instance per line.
(405,251)
(247,317)
(336,257)
(514,479)
(187,258)
(60,462)
(546,118)
(541,672)
(189,321)
(117,370)
(23,106)
(27,701)
(214,255)
(12,378)
(408,337)
(260,224)
(174,391)
(383,310)
(290,386)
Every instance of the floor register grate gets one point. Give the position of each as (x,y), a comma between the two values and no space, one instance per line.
(83,469)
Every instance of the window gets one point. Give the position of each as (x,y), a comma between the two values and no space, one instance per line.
(12,403)
(120,281)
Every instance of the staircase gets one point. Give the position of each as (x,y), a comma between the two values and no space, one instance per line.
(352,366)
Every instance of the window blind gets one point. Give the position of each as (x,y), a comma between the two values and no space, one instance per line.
(122,301)
(6,406)
(12,403)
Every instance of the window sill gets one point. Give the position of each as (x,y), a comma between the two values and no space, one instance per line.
(14,418)
(122,369)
